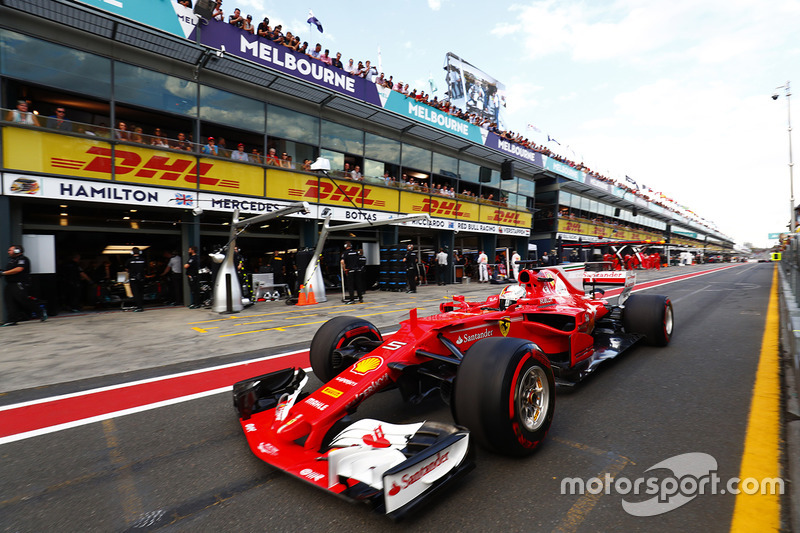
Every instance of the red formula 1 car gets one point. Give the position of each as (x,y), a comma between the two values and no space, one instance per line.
(496,362)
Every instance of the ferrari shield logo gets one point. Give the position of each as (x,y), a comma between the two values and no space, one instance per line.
(505,325)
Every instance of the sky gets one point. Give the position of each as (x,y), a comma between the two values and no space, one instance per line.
(675,94)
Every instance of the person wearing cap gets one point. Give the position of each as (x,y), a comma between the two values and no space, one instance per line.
(239,154)
(247,25)
(264,30)
(211,147)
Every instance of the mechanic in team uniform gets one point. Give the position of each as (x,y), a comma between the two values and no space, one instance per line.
(192,268)
(136,266)
(19,303)
(410,260)
(350,266)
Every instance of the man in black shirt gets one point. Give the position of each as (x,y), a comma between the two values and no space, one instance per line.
(191,268)
(20,305)
(350,267)
(136,266)
(410,260)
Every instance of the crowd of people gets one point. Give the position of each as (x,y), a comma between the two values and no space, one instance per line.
(363,69)
(366,70)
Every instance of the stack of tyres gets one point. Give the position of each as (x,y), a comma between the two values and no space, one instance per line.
(392,269)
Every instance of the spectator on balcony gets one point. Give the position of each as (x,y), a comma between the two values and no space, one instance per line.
(337,61)
(138,135)
(286,161)
(325,58)
(236,19)
(255,156)
(347,171)
(303,48)
(316,52)
(186,3)
(122,133)
(295,44)
(210,148)
(247,25)
(223,147)
(21,115)
(158,139)
(181,143)
(360,69)
(59,120)
(238,154)
(350,68)
(218,14)
(306,165)
(370,72)
(355,175)
(272,158)
(263,29)
(277,34)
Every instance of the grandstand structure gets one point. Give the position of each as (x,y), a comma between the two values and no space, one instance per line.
(146,89)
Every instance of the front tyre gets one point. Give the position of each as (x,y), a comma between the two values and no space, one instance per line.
(505,394)
(650,315)
(328,353)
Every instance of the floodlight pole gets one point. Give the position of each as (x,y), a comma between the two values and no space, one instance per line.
(793,220)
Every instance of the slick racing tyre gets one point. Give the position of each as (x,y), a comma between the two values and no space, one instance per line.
(328,353)
(505,394)
(650,315)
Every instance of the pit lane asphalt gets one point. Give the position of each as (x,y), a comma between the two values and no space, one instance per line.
(186,467)
(69,352)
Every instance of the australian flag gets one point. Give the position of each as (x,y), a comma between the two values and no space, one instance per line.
(313,20)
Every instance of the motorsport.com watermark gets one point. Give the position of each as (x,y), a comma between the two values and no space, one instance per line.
(693,474)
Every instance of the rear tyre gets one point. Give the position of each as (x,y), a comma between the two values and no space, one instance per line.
(335,334)
(505,394)
(650,315)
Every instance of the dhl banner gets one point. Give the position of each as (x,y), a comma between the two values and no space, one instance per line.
(42,154)
(50,153)
(329,191)
(505,217)
(583,227)
(441,207)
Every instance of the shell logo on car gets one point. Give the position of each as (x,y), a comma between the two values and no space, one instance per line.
(367,365)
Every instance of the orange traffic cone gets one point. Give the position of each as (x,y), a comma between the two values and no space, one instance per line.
(301,297)
(311,298)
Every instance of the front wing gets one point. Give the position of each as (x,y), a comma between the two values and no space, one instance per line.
(394,468)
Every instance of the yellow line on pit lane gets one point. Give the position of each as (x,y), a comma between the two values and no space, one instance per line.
(761,457)
(276,328)
(284,312)
(284,328)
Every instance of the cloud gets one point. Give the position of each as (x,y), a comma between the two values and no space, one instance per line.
(435,5)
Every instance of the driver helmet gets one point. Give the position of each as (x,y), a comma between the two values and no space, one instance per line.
(511,294)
